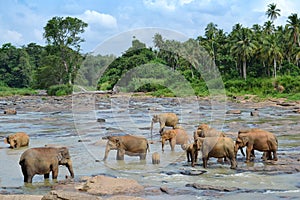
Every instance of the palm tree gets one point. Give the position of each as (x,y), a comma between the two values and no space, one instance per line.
(293,24)
(243,47)
(272,11)
(274,51)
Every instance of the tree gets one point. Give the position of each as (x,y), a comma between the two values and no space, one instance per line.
(64,34)
(293,24)
(243,47)
(272,11)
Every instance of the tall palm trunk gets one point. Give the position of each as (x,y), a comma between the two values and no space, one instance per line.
(244,69)
(274,64)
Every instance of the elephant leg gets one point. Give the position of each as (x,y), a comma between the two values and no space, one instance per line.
(172,144)
(120,154)
(46,176)
(55,173)
(275,158)
(143,156)
(233,163)
(248,153)
(188,156)
(162,145)
(205,159)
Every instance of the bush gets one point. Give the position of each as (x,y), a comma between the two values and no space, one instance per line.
(60,90)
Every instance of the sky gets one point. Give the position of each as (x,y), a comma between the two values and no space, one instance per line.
(23,21)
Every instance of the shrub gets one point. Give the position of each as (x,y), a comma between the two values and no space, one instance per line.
(59,90)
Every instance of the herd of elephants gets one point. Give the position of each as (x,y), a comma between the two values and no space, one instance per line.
(207,140)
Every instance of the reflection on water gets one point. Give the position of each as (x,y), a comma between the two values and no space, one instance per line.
(133,116)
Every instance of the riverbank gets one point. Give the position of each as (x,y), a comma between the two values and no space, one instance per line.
(289,157)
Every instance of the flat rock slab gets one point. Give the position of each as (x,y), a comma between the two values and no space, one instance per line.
(104,185)
(20,197)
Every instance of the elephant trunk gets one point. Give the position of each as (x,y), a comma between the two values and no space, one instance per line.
(151,129)
(107,149)
(70,168)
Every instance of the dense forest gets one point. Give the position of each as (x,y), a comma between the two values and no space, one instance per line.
(263,60)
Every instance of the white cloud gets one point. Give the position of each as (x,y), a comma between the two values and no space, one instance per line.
(168,5)
(12,36)
(96,18)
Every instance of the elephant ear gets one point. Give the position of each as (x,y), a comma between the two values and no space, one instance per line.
(6,140)
(62,154)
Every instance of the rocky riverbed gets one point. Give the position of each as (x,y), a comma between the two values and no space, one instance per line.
(108,187)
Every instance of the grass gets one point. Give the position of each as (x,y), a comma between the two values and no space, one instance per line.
(7,91)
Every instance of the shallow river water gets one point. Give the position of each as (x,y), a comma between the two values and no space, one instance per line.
(82,128)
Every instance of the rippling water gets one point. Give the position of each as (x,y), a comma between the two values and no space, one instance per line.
(128,115)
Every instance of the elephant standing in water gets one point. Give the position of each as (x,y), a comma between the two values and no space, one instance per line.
(127,144)
(44,160)
(257,139)
(217,147)
(17,140)
(164,119)
(175,136)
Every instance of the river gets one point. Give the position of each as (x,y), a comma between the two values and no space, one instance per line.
(82,129)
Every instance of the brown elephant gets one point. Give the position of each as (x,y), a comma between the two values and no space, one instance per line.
(164,119)
(257,139)
(174,136)
(217,147)
(127,144)
(17,140)
(155,158)
(43,160)
(204,130)
(191,152)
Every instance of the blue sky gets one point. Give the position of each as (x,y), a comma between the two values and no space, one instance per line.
(22,21)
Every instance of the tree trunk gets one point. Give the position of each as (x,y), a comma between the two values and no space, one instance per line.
(274,61)
(244,69)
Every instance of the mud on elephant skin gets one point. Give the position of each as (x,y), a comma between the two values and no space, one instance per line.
(164,119)
(43,160)
(217,147)
(176,136)
(17,140)
(257,139)
(127,144)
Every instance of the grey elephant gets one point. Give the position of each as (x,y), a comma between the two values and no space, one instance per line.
(164,119)
(17,140)
(217,147)
(127,144)
(43,160)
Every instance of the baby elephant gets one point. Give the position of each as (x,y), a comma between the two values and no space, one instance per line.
(44,160)
(17,140)
(174,136)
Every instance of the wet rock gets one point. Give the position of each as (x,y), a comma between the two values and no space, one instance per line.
(235,112)
(118,197)
(212,187)
(10,112)
(254,113)
(68,195)
(20,197)
(100,120)
(104,185)
(286,104)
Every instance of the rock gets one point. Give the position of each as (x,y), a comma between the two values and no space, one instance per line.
(254,113)
(211,187)
(69,195)
(236,112)
(20,197)
(104,185)
(118,197)
(10,112)
(296,111)
(100,120)
(286,104)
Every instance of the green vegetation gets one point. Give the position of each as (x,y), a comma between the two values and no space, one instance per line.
(262,60)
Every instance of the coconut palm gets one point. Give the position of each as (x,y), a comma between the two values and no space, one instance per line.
(243,46)
(293,24)
(272,11)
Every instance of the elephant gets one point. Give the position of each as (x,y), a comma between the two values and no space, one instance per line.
(127,144)
(164,119)
(155,158)
(257,139)
(175,136)
(217,147)
(204,130)
(191,152)
(43,160)
(17,140)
